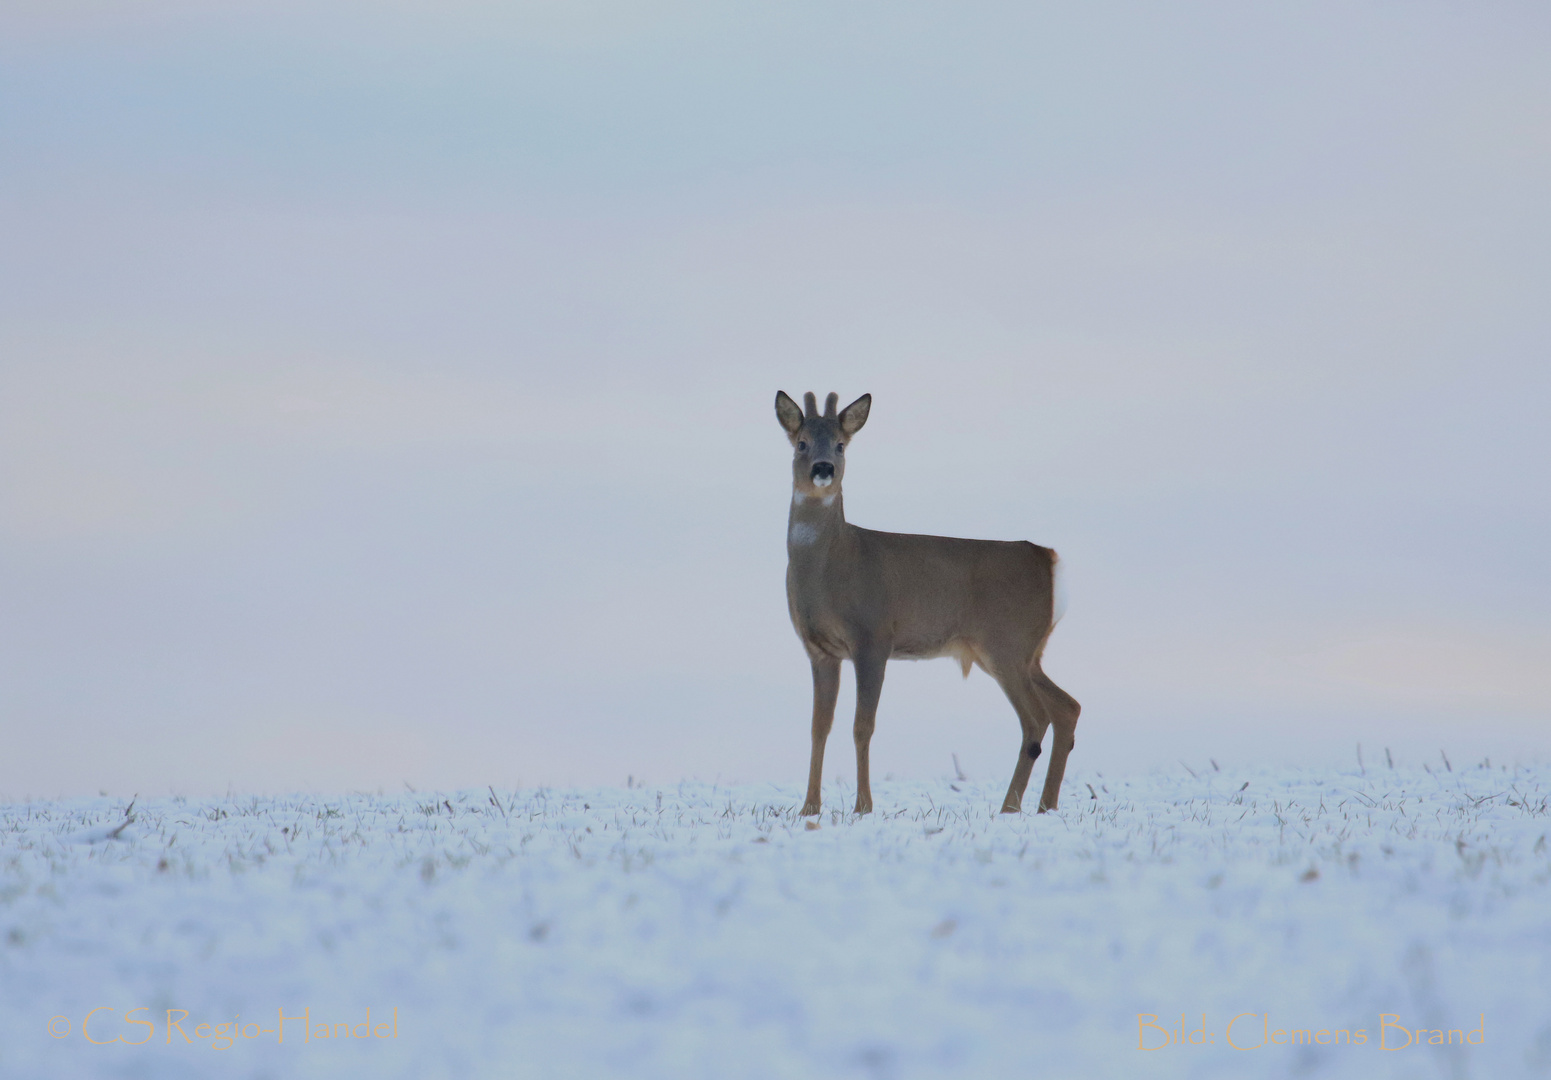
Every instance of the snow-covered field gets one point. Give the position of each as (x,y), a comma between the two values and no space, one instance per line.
(703,931)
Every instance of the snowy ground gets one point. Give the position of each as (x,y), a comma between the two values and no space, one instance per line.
(701,931)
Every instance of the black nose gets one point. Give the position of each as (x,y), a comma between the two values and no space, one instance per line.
(823,471)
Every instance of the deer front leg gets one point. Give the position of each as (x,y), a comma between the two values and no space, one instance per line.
(869,666)
(826,688)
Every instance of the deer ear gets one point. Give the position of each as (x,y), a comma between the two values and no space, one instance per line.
(854,415)
(788,412)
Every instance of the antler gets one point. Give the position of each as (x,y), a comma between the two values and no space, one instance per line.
(829,405)
(812,405)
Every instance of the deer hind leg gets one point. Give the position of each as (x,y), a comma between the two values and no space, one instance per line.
(826,688)
(1033,719)
(1063,711)
(869,688)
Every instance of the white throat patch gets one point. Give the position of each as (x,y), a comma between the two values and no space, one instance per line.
(802,534)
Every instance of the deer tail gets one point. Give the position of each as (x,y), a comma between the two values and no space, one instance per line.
(1057,588)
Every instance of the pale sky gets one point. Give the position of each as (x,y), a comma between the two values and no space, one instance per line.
(385,390)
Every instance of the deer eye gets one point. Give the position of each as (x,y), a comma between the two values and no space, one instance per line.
(840,447)
(802,447)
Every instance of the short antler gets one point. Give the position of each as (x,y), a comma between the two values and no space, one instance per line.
(811,405)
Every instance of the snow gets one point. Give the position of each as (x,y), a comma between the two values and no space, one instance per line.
(702,931)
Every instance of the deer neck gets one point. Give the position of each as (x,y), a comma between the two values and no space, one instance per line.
(813,523)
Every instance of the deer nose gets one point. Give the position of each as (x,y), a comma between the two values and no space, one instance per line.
(823,472)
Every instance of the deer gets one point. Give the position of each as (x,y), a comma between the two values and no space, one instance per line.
(867,596)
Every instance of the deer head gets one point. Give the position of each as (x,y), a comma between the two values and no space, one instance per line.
(819,442)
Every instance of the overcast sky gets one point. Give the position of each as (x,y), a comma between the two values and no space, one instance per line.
(385,389)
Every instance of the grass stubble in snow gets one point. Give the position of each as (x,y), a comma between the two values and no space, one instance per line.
(703,931)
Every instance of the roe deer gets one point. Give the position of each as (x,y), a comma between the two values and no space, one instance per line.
(866,596)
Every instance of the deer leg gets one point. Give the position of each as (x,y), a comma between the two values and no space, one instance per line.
(826,688)
(1063,711)
(1033,719)
(869,687)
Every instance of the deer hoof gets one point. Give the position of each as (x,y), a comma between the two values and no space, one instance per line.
(1012,808)
(809,809)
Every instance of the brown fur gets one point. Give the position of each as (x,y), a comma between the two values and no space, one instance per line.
(865,596)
